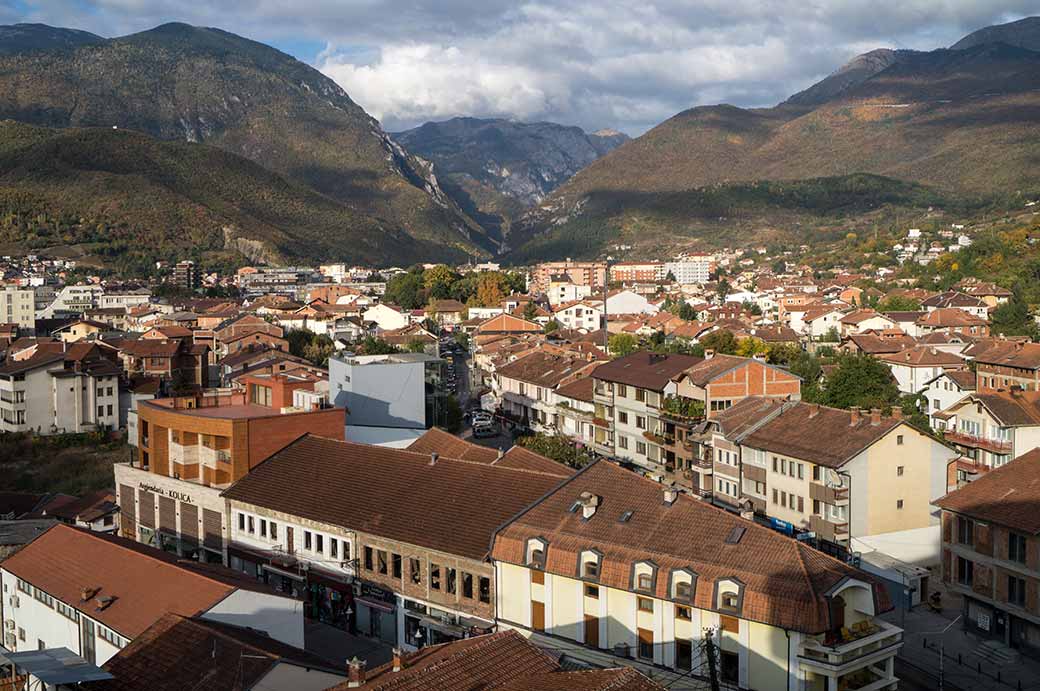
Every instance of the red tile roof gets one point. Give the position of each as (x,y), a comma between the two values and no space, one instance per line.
(1008,495)
(644,369)
(784,580)
(145,582)
(453,506)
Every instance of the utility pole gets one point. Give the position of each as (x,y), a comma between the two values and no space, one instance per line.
(709,650)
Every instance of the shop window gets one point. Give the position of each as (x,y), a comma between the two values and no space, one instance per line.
(484,589)
(415,570)
(395,563)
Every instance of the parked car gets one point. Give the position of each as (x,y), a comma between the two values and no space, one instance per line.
(483,430)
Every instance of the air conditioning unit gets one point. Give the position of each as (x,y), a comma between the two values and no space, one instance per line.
(9,624)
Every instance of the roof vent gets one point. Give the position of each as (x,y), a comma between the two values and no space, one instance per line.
(104,602)
(735,534)
(670,495)
(433,458)
(626,517)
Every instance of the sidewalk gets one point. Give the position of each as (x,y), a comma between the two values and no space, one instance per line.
(961,664)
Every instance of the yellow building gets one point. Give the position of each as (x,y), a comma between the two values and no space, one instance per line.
(611,564)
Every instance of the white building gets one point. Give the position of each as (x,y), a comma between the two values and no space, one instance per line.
(584,315)
(72,301)
(386,317)
(125,298)
(118,589)
(629,302)
(694,268)
(945,390)
(18,306)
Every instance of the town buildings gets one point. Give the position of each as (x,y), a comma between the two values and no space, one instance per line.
(611,565)
(991,427)
(1003,364)
(591,274)
(690,269)
(18,306)
(527,387)
(117,589)
(991,553)
(186,275)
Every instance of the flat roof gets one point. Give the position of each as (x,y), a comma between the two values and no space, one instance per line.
(230,412)
(55,666)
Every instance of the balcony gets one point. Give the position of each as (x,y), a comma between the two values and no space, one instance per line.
(829,495)
(833,531)
(992,445)
(654,438)
(856,648)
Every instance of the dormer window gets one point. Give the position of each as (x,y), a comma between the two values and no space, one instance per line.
(644,576)
(536,550)
(682,585)
(591,569)
(683,591)
(729,600)
(590,562)
(729,595)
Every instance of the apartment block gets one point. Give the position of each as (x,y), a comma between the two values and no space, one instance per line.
(611,568)
(18,306)
(874,475)
(991,427)
(991,553)
(395,560)
(591,274)
(527,387)
(637,272)
(1004,364)
(694,268)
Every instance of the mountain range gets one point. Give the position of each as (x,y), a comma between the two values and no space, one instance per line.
(185,140)
(497,168)
(963,122)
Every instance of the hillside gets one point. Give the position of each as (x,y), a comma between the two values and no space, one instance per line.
(1025,33)
(496,168)
(962,123)
(128,199)
(21,38)
(178,82)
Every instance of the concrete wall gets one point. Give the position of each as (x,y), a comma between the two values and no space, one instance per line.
(380,395)
(281,617)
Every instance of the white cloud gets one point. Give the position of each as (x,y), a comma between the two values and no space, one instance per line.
(627,64)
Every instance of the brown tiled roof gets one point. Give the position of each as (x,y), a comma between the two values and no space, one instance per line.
(1010,354)
(178,653)
(579,389)
(546,370)
(950,316)
(858,316)
(1011,408)
(953,299)
(923,356)
(1008,495)
(446,306)
(872,344)
(525,459)
(964,378)
(703,373)
(645,369)
(799,427)
(617,679)
(151,347)
(87,508)
(450,446)
(145,582)
(508,323)
(743,415)
(453,506)
(904,316)
(784,580)
(775,334)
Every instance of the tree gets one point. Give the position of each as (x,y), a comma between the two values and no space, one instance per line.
(462,338)
(686,311)
(621,345)
(860,380)
(453,415)
(489,290)
(898,303)
(751,346)
(550,326)
(437,282)
(779,266)
(556,447)
(670,277)
(406,290)
(809,368)
(416,345)
(375,277)
(376,346)
(752,307)
(830,336)
(721,341)
(1013,318)
(530,310)
(782,354)
(722,290)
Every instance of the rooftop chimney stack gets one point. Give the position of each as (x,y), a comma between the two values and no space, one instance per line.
(670,495)
(814,410)
(433,458)
(709,354)
(875,416)
(897,413)
(355,673)
(589,502)
(854,416)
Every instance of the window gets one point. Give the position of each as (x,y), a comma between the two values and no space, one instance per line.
(252,528)
(645,581)
(484,589)
(622,442)
(899,471)
(641,395)
(395,564)
(273,530)
(965,531)
(1017,548)
(592,591)
(622,390)
(965,571)
(591,569)
(1016,591)
(729,600)
(435,576)
(684,655)
(66,611)
(683,591)
(263,527)
(641,448)
(645,604)
(622,417)
(467,585)
(100,411)
(415,570)
(109,409)
(381,563)
(308,540)
(451,584)
(899,503)
(241,521)
(319,543)
(682,613)
(729,624)
(334,548)
(899,440)
(368,558)
(729,664)
(640,422)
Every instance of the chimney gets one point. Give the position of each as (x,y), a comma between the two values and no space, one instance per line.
(433,458)
(589,502)
(104,602)
(854,416)
(897,413)
(398,659)
(709,354)
(501,454)
(875,416)
(670,495)
(814,410)
(355,673)
(88,593)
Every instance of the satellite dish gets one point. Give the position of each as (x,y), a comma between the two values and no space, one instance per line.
(833,478)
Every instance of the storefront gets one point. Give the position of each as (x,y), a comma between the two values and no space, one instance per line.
(425,625)
(376,612)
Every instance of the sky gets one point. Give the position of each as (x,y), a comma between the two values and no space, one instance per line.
(592,63)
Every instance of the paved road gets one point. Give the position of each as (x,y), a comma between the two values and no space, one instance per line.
(336,645)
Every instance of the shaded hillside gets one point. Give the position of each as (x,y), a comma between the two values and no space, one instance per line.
(131,198)
(19,38)
(1025,33)
(963,122)
(177,82)
(496,168)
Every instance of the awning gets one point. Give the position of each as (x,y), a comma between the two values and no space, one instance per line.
(375,604)
(443,627)
(281,572)
(54,666)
